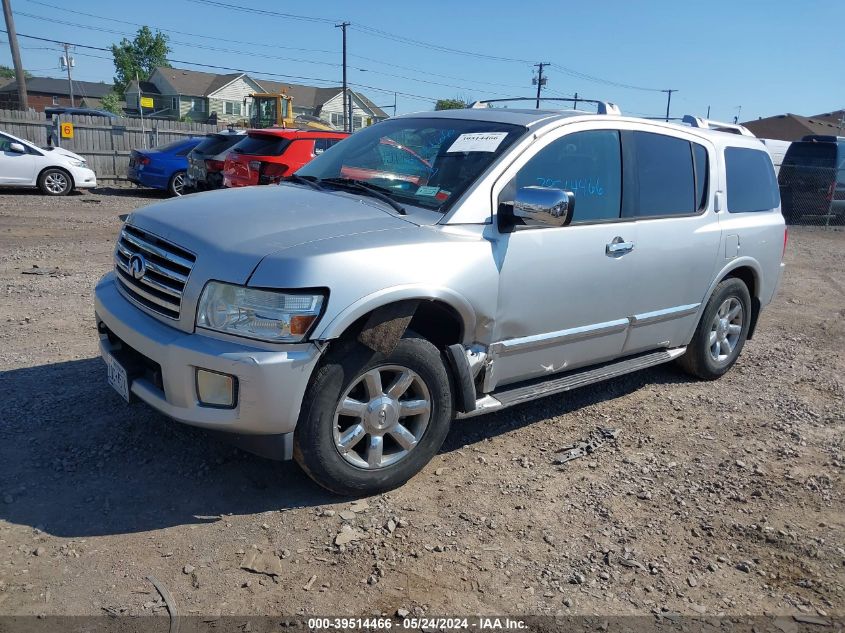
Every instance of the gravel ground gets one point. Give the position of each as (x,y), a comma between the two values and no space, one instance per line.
(716,498)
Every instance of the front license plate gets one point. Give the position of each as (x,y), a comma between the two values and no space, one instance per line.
(117,377)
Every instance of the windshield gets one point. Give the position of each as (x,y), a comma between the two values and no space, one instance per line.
(262,145)
(425,162)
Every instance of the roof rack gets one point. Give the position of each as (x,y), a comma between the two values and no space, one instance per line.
(708,124)
(602,107)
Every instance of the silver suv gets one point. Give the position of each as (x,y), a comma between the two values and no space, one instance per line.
(441,265)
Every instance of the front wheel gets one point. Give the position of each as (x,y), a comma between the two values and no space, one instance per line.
(721,333)
(176,187)
(55,182)
(370,421)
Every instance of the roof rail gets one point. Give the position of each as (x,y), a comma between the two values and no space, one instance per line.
(708,124)
(603,107)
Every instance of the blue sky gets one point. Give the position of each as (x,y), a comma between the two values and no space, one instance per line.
(768,57)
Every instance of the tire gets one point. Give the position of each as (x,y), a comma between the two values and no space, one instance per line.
(55,182)
(716,344)
(325,427)
(176,186)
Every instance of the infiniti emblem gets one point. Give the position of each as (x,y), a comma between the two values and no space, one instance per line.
(137,266)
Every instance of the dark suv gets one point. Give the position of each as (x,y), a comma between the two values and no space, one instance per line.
(812,181)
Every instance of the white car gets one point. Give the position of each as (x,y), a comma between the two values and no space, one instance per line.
(54,170)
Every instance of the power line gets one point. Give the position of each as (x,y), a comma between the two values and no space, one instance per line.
(188,44)
(168,30)
(256,73)
(241,52)
(275,14)
(428,45)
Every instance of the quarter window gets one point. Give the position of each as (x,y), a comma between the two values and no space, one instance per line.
(588,164)
(322,144)
(665,176)
(751,180)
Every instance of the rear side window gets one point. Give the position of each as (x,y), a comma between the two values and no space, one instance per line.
(588,164)
(322,144)
(666,175)
(803,154)
(262,145)
(184,151)
(216,143)
(751,180)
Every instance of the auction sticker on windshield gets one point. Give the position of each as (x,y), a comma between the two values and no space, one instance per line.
(477,142)
(427,191)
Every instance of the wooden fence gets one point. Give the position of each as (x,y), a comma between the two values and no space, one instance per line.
(105,143)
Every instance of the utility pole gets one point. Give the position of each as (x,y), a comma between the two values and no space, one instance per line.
(23,99)
(668,100)
(141,110)
(539,79)
(708,112)
(347,118)
(575,104)
(67,61)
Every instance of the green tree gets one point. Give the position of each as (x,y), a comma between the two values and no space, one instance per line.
(139,57)
(6,72)
(450,104)
(111,103)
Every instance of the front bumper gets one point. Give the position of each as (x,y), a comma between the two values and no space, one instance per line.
(83,177)
(271,384)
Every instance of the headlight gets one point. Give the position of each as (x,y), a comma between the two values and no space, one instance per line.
(268,315)
(78,163)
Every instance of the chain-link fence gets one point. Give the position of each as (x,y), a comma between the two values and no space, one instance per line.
(812,196)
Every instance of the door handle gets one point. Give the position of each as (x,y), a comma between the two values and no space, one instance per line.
(618,247)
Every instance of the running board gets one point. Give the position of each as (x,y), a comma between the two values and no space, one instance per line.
(513,395)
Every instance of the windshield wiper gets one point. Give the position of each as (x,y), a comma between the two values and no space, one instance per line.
(311,181)
(373,190)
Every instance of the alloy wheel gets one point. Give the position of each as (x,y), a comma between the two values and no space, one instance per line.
(55,182)
(725,330)
(381,418)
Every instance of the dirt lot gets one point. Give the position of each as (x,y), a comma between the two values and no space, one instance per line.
(722,497)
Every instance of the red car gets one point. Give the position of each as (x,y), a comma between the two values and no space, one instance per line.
(264,157)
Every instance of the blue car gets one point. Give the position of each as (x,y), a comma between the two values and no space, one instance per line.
(163,167)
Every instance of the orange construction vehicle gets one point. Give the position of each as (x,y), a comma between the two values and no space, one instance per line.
(276,110)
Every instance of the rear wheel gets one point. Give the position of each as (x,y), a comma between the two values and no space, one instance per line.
(721,333)
(176,187)
(371,421)
(55,182)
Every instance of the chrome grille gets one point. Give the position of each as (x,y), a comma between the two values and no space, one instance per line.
(167,268)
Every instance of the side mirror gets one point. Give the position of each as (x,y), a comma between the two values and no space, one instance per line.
(17,148)
(544,205)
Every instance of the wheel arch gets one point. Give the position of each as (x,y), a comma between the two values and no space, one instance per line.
(65,171)
(454,314)
(748,271)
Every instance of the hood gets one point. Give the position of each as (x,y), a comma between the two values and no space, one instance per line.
(61,151)
(231,230)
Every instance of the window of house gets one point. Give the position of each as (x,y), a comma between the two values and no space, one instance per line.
(174,104)
(337,119)
(197,104)
(55,101)
(357,122)
(751,180)
(233,108)
(588,164)
(665,176)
